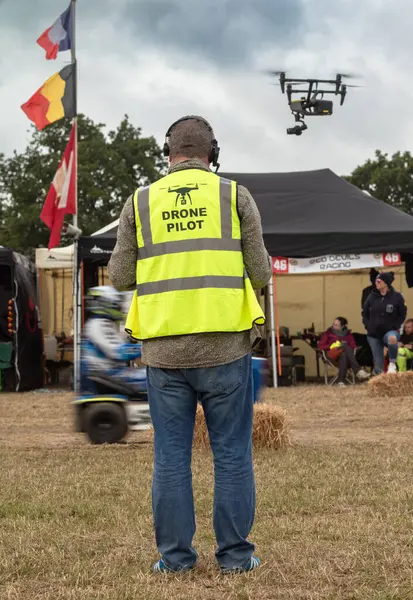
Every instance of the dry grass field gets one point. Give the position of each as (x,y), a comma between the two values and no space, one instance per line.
(334,511)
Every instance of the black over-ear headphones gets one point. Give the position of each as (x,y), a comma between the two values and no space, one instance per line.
(214,153)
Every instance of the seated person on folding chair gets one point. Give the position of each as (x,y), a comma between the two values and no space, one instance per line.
(339,345)
(105,353)
(405,352)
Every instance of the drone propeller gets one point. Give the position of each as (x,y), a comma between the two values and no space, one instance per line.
(275,73)
(348,75)
(354,86)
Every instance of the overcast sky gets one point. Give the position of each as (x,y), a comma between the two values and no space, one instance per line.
(157,60)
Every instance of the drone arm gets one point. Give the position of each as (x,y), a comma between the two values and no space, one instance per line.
(309,93)
(318,92)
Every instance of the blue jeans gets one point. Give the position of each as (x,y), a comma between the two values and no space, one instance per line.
(226,395)
(377,346)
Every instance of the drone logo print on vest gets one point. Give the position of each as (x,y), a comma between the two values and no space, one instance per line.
(183,193)
(185,216)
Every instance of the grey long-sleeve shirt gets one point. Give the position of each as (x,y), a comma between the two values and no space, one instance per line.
(204,349)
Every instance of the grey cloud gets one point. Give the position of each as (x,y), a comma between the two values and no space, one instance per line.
(122,42)
(34,16)
(375,27)
(26,15)
(226,32)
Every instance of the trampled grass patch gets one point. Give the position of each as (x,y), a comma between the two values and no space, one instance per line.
(334,515)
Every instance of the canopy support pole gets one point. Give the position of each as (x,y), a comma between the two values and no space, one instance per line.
(76,319)
(272,330)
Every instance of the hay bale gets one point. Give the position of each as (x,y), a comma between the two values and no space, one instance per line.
(270,427)
(391,385)
(269,430)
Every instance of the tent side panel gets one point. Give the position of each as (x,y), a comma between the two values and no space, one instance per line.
(300,302)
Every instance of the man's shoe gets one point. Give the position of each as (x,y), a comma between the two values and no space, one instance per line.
(253,563)
(161,567)
(392,368)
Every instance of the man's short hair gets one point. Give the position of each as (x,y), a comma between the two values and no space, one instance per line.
(191,138)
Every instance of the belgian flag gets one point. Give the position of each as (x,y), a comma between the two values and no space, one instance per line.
(55,100)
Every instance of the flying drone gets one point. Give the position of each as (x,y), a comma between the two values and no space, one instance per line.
(311,103)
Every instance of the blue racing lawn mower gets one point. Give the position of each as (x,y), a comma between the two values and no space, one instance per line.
(113,391)
(107,410)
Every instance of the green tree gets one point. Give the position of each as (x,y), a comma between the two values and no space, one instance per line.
(2,211)
(111,167)
(387,178)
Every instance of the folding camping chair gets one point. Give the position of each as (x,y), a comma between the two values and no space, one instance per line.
(331,379)
(6,349)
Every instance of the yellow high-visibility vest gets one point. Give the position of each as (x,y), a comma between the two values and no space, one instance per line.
(190,271)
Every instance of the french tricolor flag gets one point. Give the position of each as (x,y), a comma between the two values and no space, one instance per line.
(59,36)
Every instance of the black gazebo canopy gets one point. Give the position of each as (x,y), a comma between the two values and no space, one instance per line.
(307,214)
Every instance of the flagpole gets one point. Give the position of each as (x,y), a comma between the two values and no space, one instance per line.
(272,331)
(76,270)
(74,62)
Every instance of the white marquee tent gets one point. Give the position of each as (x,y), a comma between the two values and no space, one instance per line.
(62,258)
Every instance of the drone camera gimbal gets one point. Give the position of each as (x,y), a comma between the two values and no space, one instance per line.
(298,129)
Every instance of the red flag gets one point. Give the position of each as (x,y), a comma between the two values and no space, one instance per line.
(61,198)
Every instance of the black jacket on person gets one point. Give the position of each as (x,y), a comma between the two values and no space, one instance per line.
(370,288)
(384,313)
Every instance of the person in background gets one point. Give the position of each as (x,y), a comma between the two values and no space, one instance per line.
(405,352)
(339,345)
(104,351)
(370,288)
(384,313)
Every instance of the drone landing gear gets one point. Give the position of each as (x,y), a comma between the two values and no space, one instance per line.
(298,129)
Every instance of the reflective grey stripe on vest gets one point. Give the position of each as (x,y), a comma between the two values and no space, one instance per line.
(226,242)
(190,283)
(225,193)
(188,246)
(144,215)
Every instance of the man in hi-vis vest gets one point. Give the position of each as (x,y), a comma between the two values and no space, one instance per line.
(191,247)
